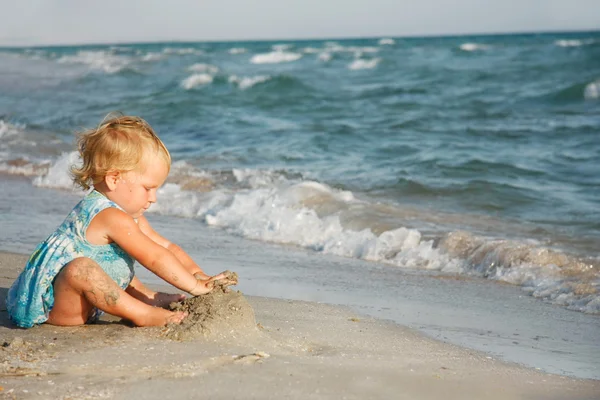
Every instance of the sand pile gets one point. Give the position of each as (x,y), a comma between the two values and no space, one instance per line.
(222,313)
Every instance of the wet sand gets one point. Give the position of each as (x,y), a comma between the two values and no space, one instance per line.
(292,350)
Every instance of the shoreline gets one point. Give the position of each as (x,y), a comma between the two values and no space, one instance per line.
(299,350)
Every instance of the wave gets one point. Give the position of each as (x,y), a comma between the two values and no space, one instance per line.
(23,167)
(7,129)
(281,47)
(275,57)
(311,50)
(277,207)
(151,57)
(237,50)
(364,63)
(247,82)
(275,83)
(381,91)
(386,42)
(470,47)
(196,80)
(592,90)
(334,47)
(544,273)
(183,51)
(98,60)
(325,57)
(201,67)
(112,60)
(577,92)
(574,42)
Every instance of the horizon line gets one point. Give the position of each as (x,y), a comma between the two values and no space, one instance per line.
(303,39)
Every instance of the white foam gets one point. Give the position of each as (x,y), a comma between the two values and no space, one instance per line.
(311,50)
(541,272)
(121,48)
(568,43)
(98,60)
(36,54)
(237,50)
(58,174)
(7,129)
(592,90)
(275,57)
(281,47)
(473,47)
(247,82)
(387,42)
(272,209)
(201,67)
(336,48)
(149,57)
(196,80)
(325,57)
(22,167)
(182,51)
(364,63)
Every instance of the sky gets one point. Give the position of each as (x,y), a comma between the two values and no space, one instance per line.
(47,22)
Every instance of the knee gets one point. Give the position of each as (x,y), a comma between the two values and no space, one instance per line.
(79,269)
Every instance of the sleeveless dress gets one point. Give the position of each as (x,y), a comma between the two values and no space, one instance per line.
(31,297)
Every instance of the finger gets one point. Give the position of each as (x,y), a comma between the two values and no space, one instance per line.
(201,276)
(219,277)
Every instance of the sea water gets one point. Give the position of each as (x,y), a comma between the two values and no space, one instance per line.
(450,184)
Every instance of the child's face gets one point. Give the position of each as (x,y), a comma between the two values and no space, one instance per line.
(136,190)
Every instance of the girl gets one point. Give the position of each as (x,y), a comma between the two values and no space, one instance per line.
(86,265)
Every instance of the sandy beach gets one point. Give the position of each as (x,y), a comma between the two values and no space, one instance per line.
(296,350)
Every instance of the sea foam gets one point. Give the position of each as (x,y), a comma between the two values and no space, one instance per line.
(247,82)
(98,60)
(473,47)
(275,57)
(237,50)
(58,174)
(363,64)
(568,43)
(592,90)
(196,80)
(7,129)
(202,67)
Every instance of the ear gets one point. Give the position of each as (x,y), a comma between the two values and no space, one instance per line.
(111,179)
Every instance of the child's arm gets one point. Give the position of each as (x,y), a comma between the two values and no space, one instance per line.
(177,251)
(120,228)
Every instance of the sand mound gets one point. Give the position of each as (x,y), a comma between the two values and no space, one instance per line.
(222,313)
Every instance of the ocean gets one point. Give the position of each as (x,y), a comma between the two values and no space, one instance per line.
(447,183)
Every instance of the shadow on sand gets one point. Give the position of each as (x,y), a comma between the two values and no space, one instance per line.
(4,320)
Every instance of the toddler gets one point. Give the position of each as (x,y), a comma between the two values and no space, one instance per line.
(86,266)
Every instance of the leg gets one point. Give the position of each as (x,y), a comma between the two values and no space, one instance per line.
(82,285)
(157,299)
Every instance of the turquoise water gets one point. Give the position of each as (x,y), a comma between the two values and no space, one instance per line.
(473,156)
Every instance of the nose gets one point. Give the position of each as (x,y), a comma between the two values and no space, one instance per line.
(152,196)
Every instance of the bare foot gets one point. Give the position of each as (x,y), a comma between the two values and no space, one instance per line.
(161,317)
(177,317)
(164,299)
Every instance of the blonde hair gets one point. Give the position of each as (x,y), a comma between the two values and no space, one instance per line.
(117,144)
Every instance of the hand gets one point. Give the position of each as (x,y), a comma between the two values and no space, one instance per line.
(202,287)
(224,279)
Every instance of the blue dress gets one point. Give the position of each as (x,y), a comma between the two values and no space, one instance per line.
(31,297)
